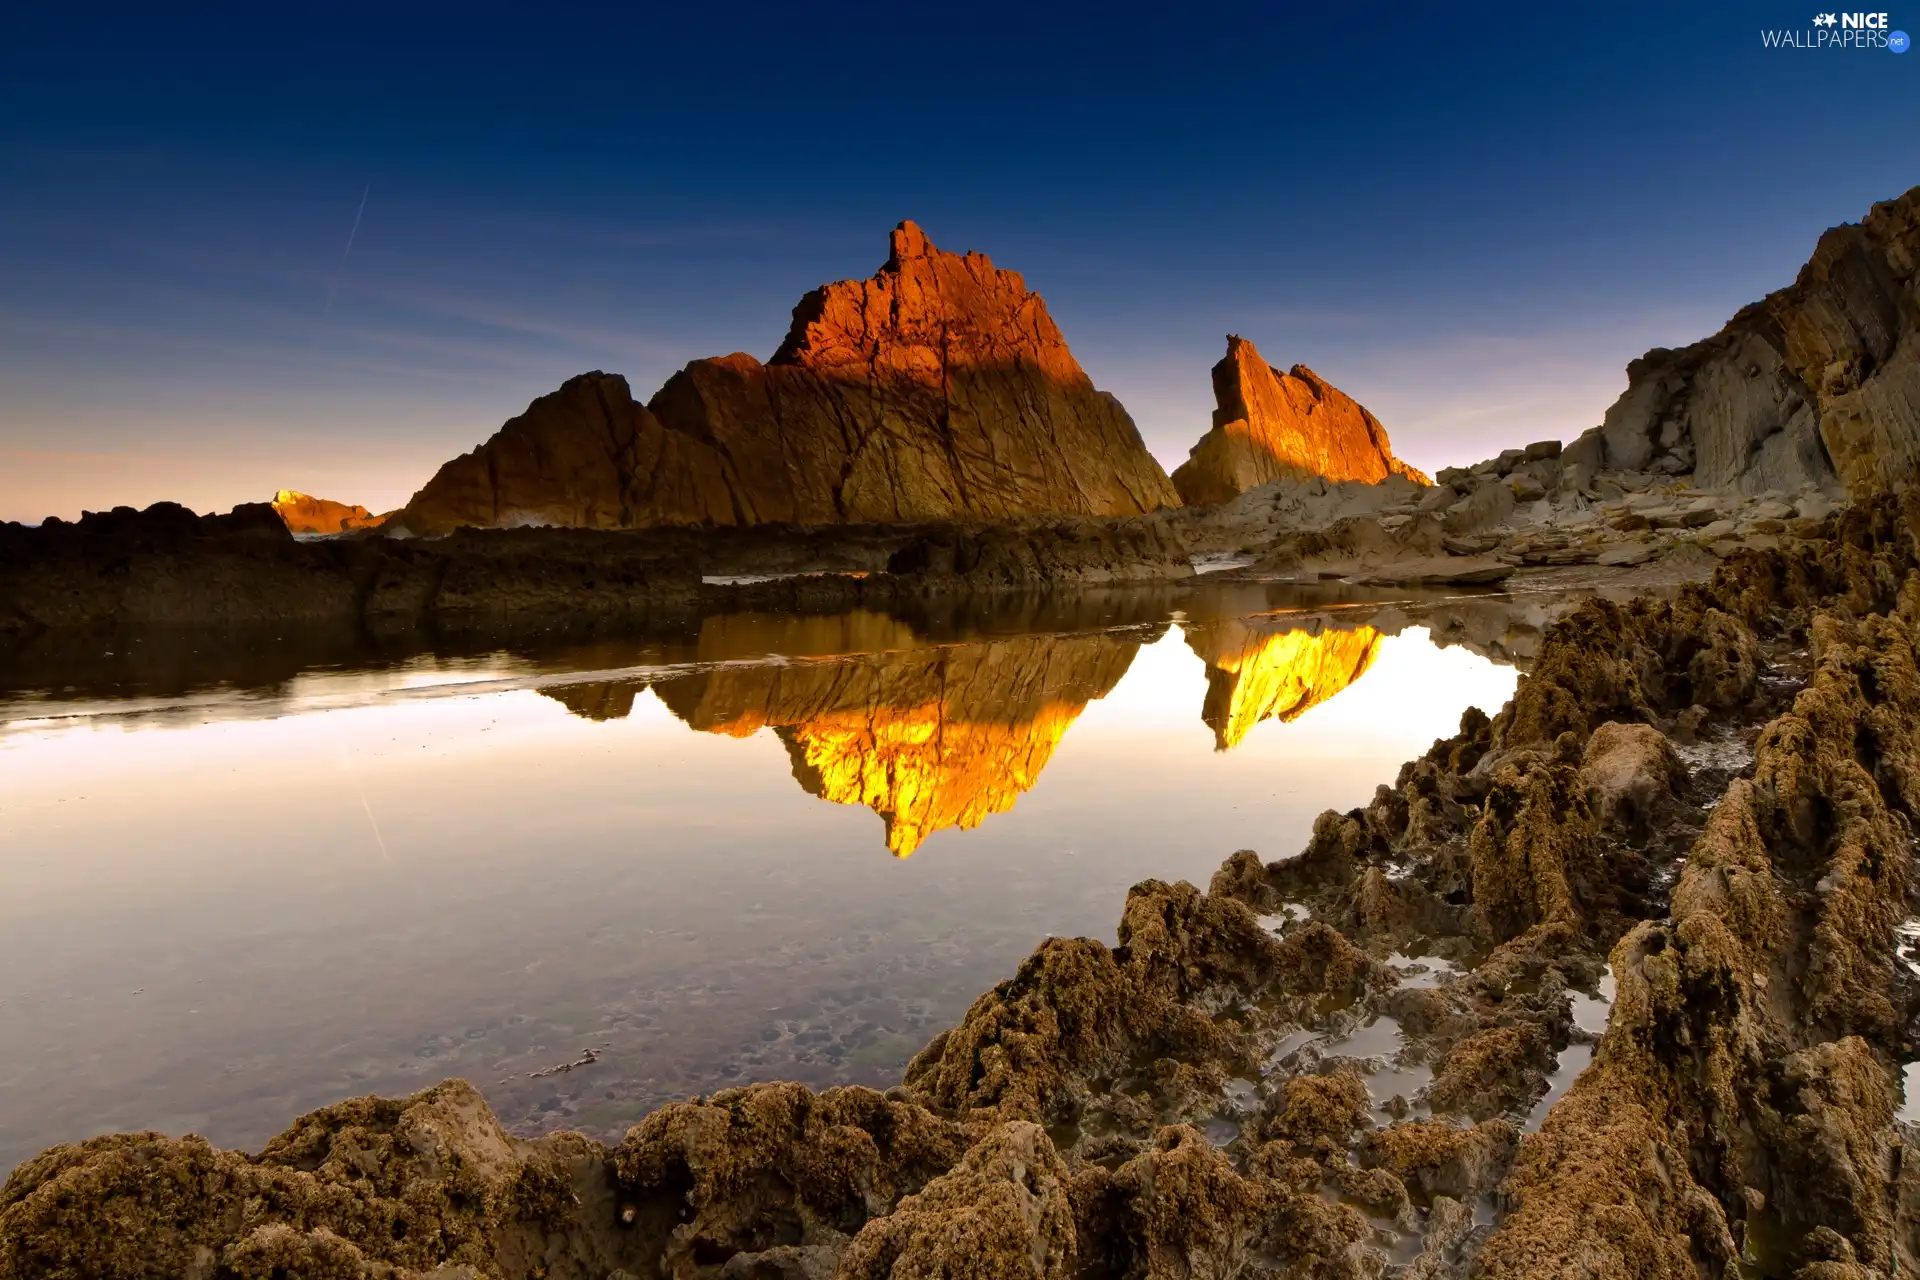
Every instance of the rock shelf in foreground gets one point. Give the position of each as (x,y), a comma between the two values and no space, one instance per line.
(1326,1066)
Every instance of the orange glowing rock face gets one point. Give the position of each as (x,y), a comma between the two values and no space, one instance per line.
(304,513)
(921,770)
(1255,675)
(1273,426)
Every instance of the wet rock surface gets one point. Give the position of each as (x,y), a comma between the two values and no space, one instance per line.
(1681,853)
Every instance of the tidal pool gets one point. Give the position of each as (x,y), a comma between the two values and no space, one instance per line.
(770,847)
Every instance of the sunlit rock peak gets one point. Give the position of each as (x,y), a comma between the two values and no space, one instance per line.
(1272,426)
(1255,675)
(304,513)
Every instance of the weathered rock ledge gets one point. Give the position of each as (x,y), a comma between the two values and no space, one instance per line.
(1348,1063)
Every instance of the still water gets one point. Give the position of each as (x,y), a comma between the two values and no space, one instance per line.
(765,847)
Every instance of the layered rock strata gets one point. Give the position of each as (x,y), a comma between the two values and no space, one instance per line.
(1816,383)
(939,389)
(1272,426)
(1694,819)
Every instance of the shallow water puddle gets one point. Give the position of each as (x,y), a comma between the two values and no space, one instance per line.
(1590,1014)
(685,850)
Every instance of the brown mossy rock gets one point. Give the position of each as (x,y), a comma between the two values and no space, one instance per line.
(1739,1052)
(1437,1159)
(1317,1116)
(1002,1213)
(1492,1072)
(1180,1210)
(938,389)
(373,1187)
(751,1169)
(1536,855)
(1077,1008)
(1627,772)
(1273,426)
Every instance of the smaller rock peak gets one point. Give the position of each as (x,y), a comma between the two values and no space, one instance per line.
(908,241)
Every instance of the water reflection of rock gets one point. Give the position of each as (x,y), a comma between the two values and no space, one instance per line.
(929,737)
(1266,669)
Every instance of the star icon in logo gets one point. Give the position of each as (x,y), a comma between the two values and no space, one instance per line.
(1824,20)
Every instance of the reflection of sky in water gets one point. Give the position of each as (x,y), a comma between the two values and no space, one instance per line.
(368,898)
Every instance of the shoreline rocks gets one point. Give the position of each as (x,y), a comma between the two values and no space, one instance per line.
(1321,1065)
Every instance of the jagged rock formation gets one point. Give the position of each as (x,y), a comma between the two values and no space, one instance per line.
(939,389)
(1337,1064)
(304,513)
(1817,383)
(1255,674)
(1273,426)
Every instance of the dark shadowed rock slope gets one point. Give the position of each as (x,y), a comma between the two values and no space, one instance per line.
(938,389)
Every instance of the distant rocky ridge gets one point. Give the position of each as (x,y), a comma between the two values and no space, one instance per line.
(1816,384)
(304,513)
(939,389)
(1281,426)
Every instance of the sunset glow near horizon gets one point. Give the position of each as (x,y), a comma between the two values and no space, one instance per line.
(241,255)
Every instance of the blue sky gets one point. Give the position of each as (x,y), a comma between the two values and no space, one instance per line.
(1468,217)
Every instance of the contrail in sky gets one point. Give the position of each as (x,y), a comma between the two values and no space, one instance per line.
(335,282)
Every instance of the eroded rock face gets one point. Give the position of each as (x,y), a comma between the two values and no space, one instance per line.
(1815,383)
(938,389)
(1273,426)
(305,513)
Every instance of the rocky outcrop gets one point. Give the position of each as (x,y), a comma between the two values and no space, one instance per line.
(1816,384)
(1272,426)
(304,513)
(939,389)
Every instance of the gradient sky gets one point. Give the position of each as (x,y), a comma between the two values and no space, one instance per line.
(1469,216)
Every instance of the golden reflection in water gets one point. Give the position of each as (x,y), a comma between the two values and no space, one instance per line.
(929,737)
(1255,674)
(933,737)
